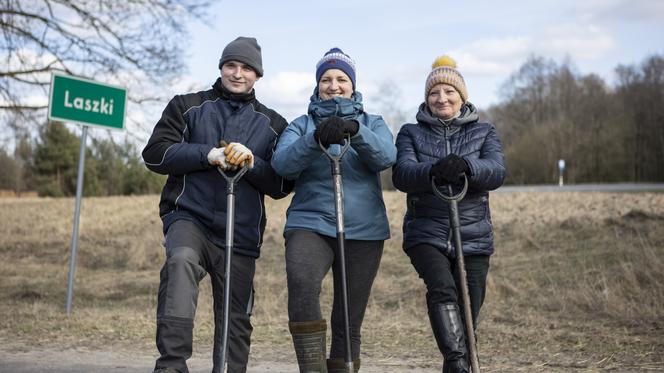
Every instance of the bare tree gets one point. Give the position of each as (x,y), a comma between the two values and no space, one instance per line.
(642,92)
(136,43)
(605,134)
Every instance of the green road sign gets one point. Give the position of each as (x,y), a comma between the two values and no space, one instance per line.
(86,102)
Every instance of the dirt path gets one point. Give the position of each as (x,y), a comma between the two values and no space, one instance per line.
(21,358)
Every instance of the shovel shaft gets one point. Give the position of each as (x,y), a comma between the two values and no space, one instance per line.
(341,245)
(452,200)
(228,259)
(341,242)
(463,283)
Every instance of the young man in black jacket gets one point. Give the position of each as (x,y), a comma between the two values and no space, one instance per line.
(185,145)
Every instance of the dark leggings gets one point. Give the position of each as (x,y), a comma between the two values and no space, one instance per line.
(309,257)
(440,275)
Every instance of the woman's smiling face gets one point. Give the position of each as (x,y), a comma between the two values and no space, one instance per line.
(334,83)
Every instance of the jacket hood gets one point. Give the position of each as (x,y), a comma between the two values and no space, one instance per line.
(468,115)
(347,108)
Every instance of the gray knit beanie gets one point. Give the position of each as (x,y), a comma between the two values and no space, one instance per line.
(245,50)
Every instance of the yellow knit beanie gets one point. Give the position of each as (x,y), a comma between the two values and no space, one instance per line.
(444,71)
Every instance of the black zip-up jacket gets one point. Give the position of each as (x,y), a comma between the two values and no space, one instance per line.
(420,146)
(190,126)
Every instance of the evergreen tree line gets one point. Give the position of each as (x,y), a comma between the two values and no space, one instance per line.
(50,166)
(604,133)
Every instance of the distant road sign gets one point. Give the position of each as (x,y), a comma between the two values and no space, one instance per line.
(86,102)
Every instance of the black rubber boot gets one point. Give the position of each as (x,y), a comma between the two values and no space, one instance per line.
(309,343)
(338,365)
(449,332)
(166,370)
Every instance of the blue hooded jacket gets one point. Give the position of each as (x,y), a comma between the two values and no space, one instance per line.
(298,157)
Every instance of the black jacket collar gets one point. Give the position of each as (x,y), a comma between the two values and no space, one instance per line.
(233,97)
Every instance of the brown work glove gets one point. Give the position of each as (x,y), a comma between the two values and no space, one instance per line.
(239,155)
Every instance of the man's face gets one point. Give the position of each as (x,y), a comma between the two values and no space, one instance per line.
(238,77)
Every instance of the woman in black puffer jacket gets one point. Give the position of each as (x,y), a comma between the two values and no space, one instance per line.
(447,142)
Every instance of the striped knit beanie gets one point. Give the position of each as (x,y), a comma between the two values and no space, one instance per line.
(444,71)
(335,58)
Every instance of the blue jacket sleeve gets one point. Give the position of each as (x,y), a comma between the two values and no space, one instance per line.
(409,175)
(488,171)
(374,144)
(168,150)
(296,150)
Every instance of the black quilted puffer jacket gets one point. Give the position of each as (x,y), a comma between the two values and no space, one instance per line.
(422,144)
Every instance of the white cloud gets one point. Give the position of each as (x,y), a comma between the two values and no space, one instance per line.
(287,92)
(492,56)
(499,56)
(578,41)
(288,86)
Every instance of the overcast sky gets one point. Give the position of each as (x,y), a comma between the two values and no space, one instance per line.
(398,40)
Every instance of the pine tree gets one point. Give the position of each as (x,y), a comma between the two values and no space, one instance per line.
(56,160)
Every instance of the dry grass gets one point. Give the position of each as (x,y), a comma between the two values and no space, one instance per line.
(577,283)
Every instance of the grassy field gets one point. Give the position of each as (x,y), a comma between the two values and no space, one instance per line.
(576,284)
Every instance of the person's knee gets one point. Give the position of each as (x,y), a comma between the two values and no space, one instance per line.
(180,277)
(182,255)
(302,282)
(184,260)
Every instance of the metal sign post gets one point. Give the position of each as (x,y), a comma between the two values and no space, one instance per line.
(88,103)
(77,212)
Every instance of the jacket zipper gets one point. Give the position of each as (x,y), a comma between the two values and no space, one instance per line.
(448,150)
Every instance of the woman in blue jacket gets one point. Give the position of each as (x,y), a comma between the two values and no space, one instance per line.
(335,112)
(447,142)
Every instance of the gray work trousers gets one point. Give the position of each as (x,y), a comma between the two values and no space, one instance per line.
(189,257)
(309,257)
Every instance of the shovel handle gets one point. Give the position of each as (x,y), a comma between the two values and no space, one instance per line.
(457,197)
(344,147)
(233,179)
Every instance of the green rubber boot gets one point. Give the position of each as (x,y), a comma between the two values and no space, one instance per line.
(309,343)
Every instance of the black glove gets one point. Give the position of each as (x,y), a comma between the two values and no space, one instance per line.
(333,130)
(449,170)
(351,127)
